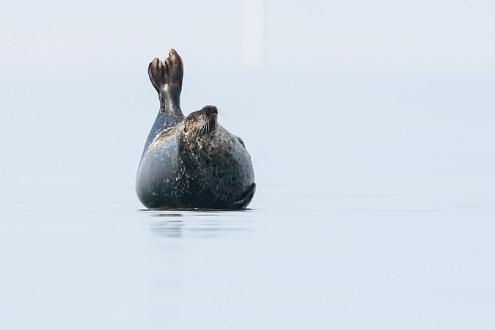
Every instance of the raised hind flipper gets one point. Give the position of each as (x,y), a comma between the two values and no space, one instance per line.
(166,77)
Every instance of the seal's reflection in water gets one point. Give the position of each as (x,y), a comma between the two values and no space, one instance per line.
(194,224)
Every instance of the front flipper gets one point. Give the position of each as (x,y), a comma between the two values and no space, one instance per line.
(244,200)
(242,142)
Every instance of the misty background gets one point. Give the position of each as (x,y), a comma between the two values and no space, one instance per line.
(371,130)
(403,89)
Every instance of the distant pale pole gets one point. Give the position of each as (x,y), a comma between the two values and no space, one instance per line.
(252,33)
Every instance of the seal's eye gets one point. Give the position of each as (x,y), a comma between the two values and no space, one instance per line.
(188,126)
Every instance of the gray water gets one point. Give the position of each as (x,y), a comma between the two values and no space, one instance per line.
(374,206)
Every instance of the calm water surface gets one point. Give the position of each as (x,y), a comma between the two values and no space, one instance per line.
(304,262)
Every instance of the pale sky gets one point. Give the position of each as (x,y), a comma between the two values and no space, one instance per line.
(62,35)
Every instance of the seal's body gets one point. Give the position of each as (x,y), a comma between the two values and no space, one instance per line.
(190,162)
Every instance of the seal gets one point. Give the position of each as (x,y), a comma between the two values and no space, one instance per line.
(190,162)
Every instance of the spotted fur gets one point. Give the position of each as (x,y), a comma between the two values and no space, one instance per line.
(192,162)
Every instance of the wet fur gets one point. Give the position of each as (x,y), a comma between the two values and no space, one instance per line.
(192,162)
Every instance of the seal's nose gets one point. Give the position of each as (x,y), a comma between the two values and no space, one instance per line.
(210,110)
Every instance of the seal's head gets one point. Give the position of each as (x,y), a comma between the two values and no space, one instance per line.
(200,135)
(200,124)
